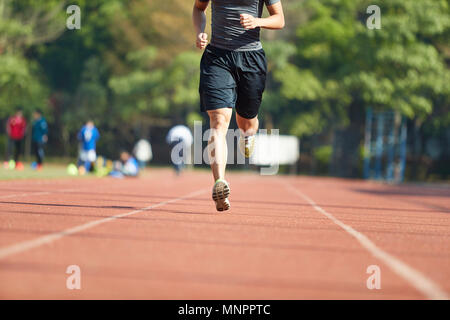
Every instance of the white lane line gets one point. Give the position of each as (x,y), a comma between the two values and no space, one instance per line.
(415,278)
(34,243)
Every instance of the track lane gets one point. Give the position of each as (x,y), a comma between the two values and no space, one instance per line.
(271,245)
(417,279)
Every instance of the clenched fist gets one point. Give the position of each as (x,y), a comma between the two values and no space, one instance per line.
(248,21)
(202,40)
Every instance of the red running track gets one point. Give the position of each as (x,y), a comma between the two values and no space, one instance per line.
(159,237)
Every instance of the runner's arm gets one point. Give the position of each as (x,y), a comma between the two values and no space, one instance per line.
(274,21)
(199,20)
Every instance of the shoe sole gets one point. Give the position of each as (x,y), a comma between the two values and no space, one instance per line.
(220,194)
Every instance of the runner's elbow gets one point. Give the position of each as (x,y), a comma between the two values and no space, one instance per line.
(277,23)
(282,23)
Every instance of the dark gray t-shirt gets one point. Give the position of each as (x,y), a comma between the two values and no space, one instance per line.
(227,31)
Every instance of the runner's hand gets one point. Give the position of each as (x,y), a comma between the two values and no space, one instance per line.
(248,21)
(202,40)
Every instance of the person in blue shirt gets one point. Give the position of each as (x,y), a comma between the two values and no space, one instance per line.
(127,166)
(88,137)
(39,136)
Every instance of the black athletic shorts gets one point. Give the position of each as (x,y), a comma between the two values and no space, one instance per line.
(232,79)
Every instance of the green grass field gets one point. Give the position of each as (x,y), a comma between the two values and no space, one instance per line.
(52,170)
(48,172)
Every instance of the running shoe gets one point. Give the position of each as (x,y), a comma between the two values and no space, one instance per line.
(220,193)
(247,145)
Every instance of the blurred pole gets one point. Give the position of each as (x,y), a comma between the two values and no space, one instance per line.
(367,140)
(390,150)
(403,137)
(379,145)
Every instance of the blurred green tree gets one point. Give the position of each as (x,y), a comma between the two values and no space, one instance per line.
(24,24)
(339,67)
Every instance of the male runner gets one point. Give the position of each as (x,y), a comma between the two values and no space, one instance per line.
(232,75)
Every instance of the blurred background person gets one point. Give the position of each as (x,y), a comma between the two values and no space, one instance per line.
(88,137)
(39,137)
(127,166)
(180,140)
(143,152)
(16,129)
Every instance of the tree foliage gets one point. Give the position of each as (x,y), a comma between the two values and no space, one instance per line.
(339,62)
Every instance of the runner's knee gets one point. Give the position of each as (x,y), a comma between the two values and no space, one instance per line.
(219,120)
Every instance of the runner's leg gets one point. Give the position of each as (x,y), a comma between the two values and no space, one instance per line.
(219,122)
(248,127)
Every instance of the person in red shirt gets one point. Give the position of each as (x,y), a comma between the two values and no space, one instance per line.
(16,128)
